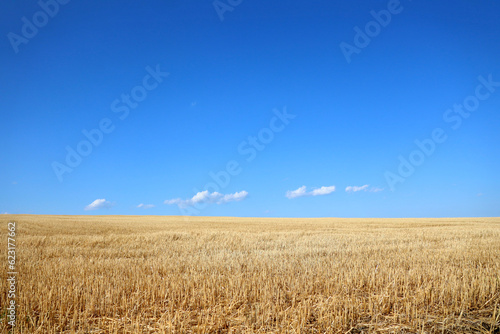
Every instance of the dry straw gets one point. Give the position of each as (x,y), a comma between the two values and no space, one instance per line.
(126,274)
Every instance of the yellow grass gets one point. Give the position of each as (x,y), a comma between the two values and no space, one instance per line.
(144,274)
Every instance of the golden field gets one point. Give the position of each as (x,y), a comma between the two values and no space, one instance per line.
(153,274)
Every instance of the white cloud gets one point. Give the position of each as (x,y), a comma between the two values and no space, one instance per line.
(323,191)
(207,197)
(302,191)
(173,201)
(238,196)
(145,206)
(296,193)
(353,189)
(99,204)
(356,188)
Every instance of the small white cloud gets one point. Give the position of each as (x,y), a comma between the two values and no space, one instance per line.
(356,188)
(302,191)
(99,204)
(238,196)
(296,193)
(145,206)
(4,213)
(323,191)
(207,197)
(353,189)
(173,201)
(480,194)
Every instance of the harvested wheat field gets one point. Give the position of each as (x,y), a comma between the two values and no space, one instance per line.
(152,274)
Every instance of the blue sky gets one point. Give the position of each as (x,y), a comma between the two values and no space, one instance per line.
(250,108)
